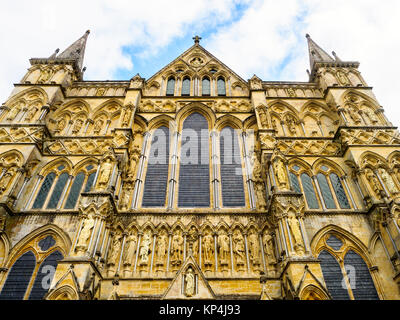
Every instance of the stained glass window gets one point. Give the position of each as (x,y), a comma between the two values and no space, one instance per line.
(340,193)
(171,87)
(295,182)
(309,191)
(231,169)
(75,191)
(46,243)
(335,243)
(326,191)
(155,187)
(58,190)
(221,87)
(186,87)
(44,191)
(206,87)
(90,182)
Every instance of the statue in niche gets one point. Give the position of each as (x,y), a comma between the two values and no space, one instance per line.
(177,249)
(126,195)
(98,125)
(32,112)
(127,117)
(193,238)
(130,249)
(269,248)
(295,232)
(281,174)
(7,178)
(45,75)
(223,247)
(134,160)
(291,125)
(190,283)
(263,117)
(161,248)
(275,125)
(115,248)
(208,246)
(100,92)
(14,112)
(373,119)
(105,173)
(257,169)
(353,113)
(343,78)
(78,126)
(374,182)
(254,249)
(260,194)
(145,249)
(387,179)
(291,92)
(61,125)
(239,248)
(86,232)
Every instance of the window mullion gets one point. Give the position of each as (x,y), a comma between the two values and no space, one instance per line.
(346,280)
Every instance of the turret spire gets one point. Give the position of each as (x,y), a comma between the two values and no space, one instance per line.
(76,51)
(317,54)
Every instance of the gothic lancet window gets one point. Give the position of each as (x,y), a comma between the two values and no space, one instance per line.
(186,86)
(231,169)
(44,191)
(326,191)
(295,182)
(309,191)
(19,277)
(58,190)
(90,181)
(339,191)
(75,191)
(155,188)
(171,87)
(194,175)
(221,86)
(206,86)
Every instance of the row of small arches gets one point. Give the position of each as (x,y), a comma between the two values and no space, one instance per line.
(205,86)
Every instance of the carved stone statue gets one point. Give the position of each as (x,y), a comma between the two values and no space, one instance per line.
(208,249)
(14,112)
(343,78)
(161,249)
(45,75)
(295,232)
(193,238)
(125,195)
(223,247)
(291,125)
(98,125)
(105,173)
(7,178)
(373,119)
(239,249)
(263,117)
(61,125)
(78,126)
(281,174)
(130,249)
(190,283)
(254,249)
(269,248)
(31,113)
(86,232)
(127,117)
(177,249)
(134,160)
(374,182)
(145,249)
(261,195)
(388,181)
(353,113)
(115,249)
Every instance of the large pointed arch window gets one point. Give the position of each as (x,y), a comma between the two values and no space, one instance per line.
(231,169)
(155,187)
(83,178)
(194,174)
(306,187)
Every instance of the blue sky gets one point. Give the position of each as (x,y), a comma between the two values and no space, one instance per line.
(262,37)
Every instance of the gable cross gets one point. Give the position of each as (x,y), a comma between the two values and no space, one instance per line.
(197,39)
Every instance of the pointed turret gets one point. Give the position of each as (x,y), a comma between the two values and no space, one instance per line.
(317,54)
(76,51)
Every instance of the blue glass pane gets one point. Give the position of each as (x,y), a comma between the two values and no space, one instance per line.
(46,243)
(221,87)
(45,276)
(171,87)
(334,243)
(44,191)
(206,87)
(231,169)
(60,168)
(186,87)
(19,277)
(295,182)
(326,192)
(309,191)
(359,276)
(58,189)
(88,168)
(90,182)
(333,276)
(155,187)
(75,191)
(340,193)
(194,176)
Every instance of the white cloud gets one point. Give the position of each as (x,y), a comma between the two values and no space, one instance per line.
(267,40)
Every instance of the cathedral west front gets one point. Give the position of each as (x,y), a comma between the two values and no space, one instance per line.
(197,184)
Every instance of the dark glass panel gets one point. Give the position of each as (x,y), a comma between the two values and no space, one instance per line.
(44,191)
(58,190)
(75,191)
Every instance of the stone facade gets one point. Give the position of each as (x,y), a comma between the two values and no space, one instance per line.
(320,172)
